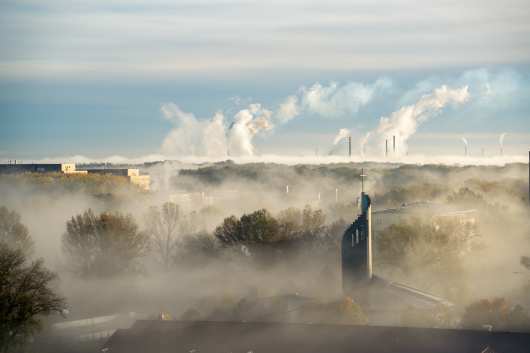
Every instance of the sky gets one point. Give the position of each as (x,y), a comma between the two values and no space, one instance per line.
(119,81)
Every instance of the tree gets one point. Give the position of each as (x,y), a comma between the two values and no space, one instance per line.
(14,233)
(258,231)
(346,312)
(341,311)
(483,312)
(248,310)
(191,314)
(427,253)
(164,227)
(103,245)
(25,297)
(525,261)
(442,316)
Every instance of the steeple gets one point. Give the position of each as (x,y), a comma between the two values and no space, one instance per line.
(357,247)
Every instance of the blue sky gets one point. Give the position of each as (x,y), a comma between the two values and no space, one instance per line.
(157,79)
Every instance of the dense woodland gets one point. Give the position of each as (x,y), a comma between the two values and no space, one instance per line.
(114,248)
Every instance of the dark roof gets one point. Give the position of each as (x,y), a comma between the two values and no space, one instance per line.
(383,294)
(243,337)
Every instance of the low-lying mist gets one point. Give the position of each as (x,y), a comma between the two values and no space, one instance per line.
(202,270)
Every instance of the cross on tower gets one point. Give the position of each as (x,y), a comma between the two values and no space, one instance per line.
(362,176)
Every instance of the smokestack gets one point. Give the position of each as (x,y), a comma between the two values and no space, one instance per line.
(336,195)
(394,148)
(386,148)
(465,151)
(316,152)
(349,150)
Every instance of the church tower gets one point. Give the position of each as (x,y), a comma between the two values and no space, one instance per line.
(357,248)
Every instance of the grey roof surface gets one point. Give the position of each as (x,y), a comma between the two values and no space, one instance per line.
(383,294)
(258,337)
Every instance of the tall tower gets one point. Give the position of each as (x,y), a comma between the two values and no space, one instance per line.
(349,148)
(357,248)
(394,145)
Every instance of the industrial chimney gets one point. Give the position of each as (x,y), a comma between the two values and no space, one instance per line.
(386,148)
(394,148)
(349,149)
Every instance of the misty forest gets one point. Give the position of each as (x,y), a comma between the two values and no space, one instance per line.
(224,241)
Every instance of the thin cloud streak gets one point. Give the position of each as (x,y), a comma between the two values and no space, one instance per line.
(145,38)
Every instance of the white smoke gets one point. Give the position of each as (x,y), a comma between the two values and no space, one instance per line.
(335,100)
(404,122)
(464,139)
(287,111)
(342,134)
(191,137)
(210,137)
(503,135)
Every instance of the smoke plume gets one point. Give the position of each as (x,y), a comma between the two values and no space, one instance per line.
(464,140)
(211,137)
(404,122)
(502,137)
(342,134)
(335,100)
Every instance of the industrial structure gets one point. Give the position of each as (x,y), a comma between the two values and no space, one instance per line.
(38,168)
(133,175)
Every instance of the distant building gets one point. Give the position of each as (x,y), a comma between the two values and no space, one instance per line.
(38,168)
(133,175)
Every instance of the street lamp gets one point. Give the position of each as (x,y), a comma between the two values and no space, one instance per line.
(525,286)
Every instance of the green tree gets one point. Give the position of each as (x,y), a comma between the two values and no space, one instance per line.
(103,245)
(14,233)
(258,231)
(25,297)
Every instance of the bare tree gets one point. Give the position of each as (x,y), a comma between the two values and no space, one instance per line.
(166,226)
(25,297)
